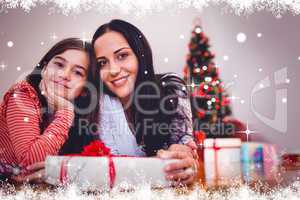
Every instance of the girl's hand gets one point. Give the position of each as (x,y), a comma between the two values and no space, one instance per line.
(183,172)
(35,174)
(54,101)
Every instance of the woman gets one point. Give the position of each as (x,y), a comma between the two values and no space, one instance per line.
(39,116)
(155,111)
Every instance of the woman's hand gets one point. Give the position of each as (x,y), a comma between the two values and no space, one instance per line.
(54,101)
(183,172)
(189,147)
(35,174)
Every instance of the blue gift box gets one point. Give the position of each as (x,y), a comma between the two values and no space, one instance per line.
(252,152)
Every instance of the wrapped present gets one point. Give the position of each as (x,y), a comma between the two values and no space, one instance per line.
(252,171)
(291,160)
(290,165)
(270,154)
(104,173)
(258,152)
(252,152)
(222,160)
(222,150)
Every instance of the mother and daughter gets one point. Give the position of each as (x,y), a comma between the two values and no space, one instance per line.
(110,83)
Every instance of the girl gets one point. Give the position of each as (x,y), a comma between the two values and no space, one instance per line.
(40,115)
(142,115)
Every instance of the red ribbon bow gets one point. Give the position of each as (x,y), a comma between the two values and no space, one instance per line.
(95,148)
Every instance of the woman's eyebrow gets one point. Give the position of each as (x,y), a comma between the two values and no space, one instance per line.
(117,51)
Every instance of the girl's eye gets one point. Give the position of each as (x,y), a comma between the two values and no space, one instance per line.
(79,73)
(122,56)
(58,64)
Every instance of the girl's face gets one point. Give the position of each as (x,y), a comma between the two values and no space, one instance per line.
(66,73)
(118,64)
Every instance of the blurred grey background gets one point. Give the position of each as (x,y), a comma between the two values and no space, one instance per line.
(272,44)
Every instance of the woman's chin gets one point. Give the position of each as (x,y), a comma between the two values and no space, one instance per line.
(122,95)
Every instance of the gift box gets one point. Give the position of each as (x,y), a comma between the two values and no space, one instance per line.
(291,160)
(253,171)
(252,152)
(259,161)
(290,165)
(258,152)
(222,160)
(104,173)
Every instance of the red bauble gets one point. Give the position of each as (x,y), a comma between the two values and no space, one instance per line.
(223,103)
(209,89)
(201,114)
(226,101)
(201,93)
(201,86)
(206,54)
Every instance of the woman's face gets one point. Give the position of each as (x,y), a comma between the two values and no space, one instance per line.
(118,64)
(66,73)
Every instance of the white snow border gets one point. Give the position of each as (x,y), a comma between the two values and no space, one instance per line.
(142,7)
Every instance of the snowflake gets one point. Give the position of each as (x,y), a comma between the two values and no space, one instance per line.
(141,7)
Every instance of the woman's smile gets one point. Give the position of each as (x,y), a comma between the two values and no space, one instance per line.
(118,82)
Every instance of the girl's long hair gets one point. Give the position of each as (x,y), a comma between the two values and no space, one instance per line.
(79,135)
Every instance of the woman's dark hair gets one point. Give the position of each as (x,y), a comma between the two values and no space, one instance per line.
(147,131)
(78,135)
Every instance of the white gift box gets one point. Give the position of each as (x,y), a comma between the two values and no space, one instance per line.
(92,173)
(222,160)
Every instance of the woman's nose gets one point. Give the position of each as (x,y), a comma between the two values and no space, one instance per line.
(114,69)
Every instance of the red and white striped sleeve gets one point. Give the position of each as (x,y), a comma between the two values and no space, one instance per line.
(29,144)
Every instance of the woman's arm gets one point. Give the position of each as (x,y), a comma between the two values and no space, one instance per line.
(181,124)
(30,145)
(181,141)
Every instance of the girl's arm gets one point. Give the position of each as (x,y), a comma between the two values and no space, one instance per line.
(30,145)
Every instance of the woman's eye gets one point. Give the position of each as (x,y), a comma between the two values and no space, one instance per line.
(101,63)
(122,56)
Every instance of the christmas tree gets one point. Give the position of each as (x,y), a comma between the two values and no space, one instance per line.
(209,101)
